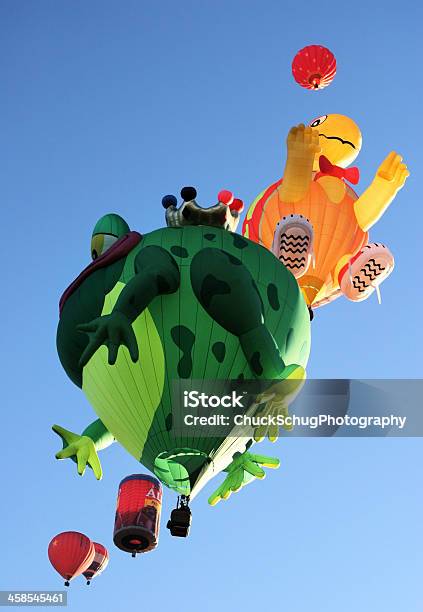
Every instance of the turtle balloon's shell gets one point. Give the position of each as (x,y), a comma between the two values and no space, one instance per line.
(335,228)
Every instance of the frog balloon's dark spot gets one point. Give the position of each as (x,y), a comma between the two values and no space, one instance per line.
(239,242)
(272,296)
(289,338)
(184,339)
(210,237)
(179,251)
(234,260)
(256,364)
(240,376)
(169,421)
(210,287)
(249,443)
(219,351)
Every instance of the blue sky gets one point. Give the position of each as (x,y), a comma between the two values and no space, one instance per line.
(106,106)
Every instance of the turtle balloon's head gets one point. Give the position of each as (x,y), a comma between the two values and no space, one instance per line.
(339,138)
(106,232)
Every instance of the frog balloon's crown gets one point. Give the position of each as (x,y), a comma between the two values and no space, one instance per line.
(224,214)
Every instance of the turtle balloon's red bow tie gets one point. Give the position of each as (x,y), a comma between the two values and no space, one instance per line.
(352,175)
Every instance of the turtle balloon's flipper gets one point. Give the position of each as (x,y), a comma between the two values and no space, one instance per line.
(363,273)
(293,244)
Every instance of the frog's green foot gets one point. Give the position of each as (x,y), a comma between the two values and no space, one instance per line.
(113,330)
(276,402)
(81,449)
(243,469)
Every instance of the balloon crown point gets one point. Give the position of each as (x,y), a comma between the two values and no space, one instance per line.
(188,193)
(169,200)
(225,196)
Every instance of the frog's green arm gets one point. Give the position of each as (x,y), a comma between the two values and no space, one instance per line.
(156,273)
(99,434)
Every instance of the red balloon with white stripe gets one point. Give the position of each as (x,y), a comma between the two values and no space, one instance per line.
(99,563)
(314,67)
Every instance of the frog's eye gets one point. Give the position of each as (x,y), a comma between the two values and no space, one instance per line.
(318,121)
(100,243)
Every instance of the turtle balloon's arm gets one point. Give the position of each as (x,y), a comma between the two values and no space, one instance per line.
(389,179)
(82,449)
(156,273)
(302,147)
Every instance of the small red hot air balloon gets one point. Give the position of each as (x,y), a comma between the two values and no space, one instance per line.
(70,553)
(314,67)
(137,520)
(99,564)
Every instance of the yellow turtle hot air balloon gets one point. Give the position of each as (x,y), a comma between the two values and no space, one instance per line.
(316,224)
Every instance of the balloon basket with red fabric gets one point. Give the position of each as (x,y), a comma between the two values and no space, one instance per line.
(137,521)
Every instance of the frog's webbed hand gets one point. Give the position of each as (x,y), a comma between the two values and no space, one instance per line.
(81,449)
(243,469)
(389,179)
(156,273)
(276,402)
(302,148)
(113,330)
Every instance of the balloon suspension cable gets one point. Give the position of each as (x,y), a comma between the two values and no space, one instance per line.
(183,501)
(313,259)
(379,295)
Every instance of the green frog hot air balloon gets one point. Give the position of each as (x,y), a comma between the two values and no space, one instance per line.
(193,300)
